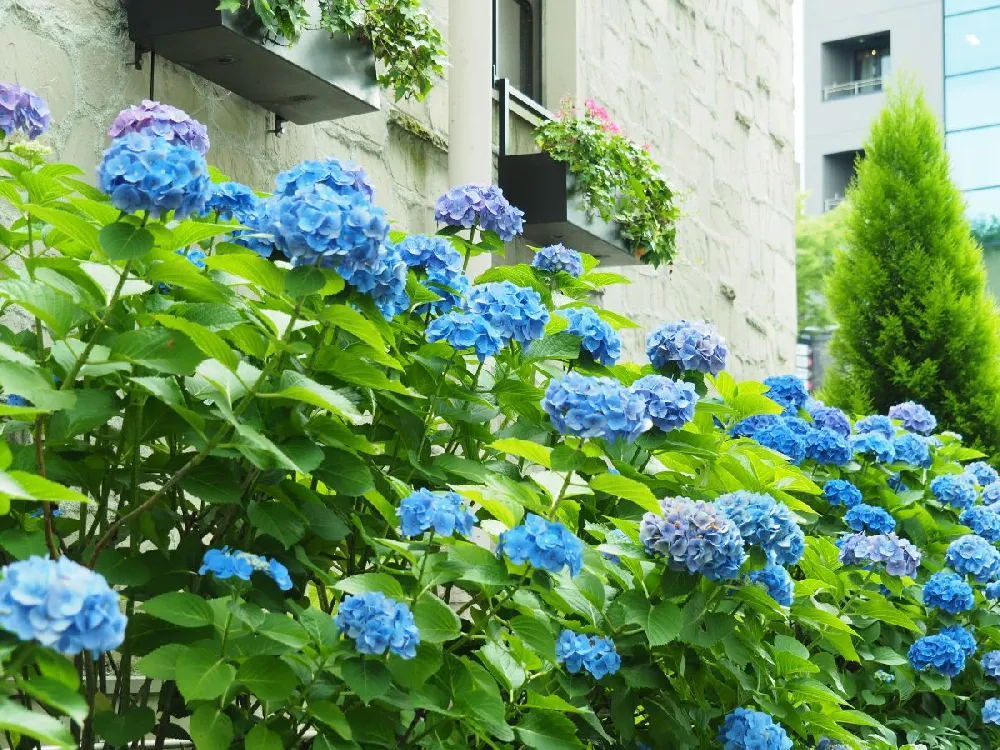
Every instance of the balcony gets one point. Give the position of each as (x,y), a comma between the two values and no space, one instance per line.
(852,88)
(855,66)
(831,203)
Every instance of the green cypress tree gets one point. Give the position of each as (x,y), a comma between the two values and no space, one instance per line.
(909,292)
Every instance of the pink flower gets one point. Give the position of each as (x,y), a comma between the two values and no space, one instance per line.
(645,147)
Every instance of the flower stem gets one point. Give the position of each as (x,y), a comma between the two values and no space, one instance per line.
(423,565)
(559,498)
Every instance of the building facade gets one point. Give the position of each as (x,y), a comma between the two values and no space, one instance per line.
(707,85)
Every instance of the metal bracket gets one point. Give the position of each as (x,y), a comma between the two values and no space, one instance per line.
(279,126)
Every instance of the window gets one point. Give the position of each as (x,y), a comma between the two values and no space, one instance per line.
(869,63)
(971,100)
(517,42)
(851,67)
(972,42)
(952,7)
(975,158)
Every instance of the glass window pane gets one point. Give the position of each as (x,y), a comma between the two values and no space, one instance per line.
(982,206)
(973,100)
(509,42)
(972,42)
(975,158)
(963,6)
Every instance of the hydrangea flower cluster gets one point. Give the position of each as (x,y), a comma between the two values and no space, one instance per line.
(778,583)
(955,490)
(748,426)
(430,252)
(515,312)
(556,258)
(545,544)
(991,494)
(828,447)
(343,177)
(466,331)
(22,109)
(877,424)
(764,521)
(376,623)
(142,173)
(991,665)
(694,536)
(233,200)
(875,445)
(600,340)
(596,655)
(385,282)
(591,407)
(900,557)
(781,437)
(841,492)
(913,450)
(896,483)
(669,403)
(974,556)
(939,653)
(869,518)
(914,417)
(983,520)
(157,120)
(965,640)
(829,418)
(482,206)
(445,512)
(992,590)
(787,391)
(825,743)
(983,473)
(687,345)
(752,730)
(62,605)
(949,592)
(991,711)
(223,564)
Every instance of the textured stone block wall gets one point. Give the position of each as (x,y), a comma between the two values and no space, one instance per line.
(706,82)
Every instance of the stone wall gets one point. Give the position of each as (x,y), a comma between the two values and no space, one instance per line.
(708,83)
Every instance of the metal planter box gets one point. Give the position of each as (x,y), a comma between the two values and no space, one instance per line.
(319,78)
(553,212)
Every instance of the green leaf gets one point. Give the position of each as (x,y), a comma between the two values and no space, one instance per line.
(57,695)
(30,383)
(539,454)
(211,344)
(298,387)
(69,224)
(123,241)
(536,634)
(121,729)
(284,630)
(278,521)
(16,718)
(253,268)
(120,568)
(169,392)
(262,738)
(159,349)
(182,609)
(203,675)
(354,323)
(267,677)
(368,678)
(548,731)
(665,622)
(60,312)
(413,673)
(58,668)
(93,408)
(344,473)
(304,280)
(161,664)
(331,715)
(882,610)
(626,489)
(189,232)
(211,729)
(502,664)
(367,582)
(435,620)
(561,346)
(40,488)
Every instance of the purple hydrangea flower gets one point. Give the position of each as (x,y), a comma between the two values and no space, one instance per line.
(694,536)
(669,403)
(546,545)
(157,120)
(22,109)
(972,555)
(869,518)
(344,178)
(223,564)
(915,418)
(841,492)
(829,417)
(753,730)
(445,512)
(949,592)
(591,407)
(901,558)
(687,345)
(764,521)
(778,583)
(955,490)
(376,623)
(555,258)
(482,206)
(600,340)
(939,653)
(466,331)
(516,312)
(787,391)
(594,654)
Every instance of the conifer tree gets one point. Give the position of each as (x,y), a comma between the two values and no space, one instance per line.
(909,292)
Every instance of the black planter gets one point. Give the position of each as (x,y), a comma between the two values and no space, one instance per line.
(553,212)
(319,78)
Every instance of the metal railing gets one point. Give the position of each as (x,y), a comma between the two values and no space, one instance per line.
(852,88)
(831,203)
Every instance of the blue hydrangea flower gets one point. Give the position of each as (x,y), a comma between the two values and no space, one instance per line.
(896,483)
(195,255)
(615,535)
(876,424)
(600,340)
(949,592)
(687,345)
(555,258)
(451,286)
(223,564)
(781,437)
(748,426)
(828,448)
(841,492)
(752,730)
(694,536)
(764,521)
(545,544)
(515,312)
(983,520)
(965,639)
(882,676)
(829,417)
(62,605)
(232,200)
(430,252)
(594,654)
(40,512)
(992,590)
(955,490)
(991,494)
(257,236)
(320,226)
(591,407)
(972,555)
(141,173)
(778,583)
(669,403)
(991,664)
(466,331)
(915,418)
(991,711)
(913,450)
(874,445)
(787,391)
(343,177)
(376,623)
(797,425)
(870,518)
(938,653)
(482,206)
(22,109)
(384,279)
(445,512)
(900,557)
(983,473)
(161,121)
(14,400)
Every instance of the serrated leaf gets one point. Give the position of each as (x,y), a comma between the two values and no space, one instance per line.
(203,675)
(539,454)
(124,241)
(370,582)
(626,489)
(664,623)
(211,729)
(435,620)
(182,609)
(368,678)
(267,677)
